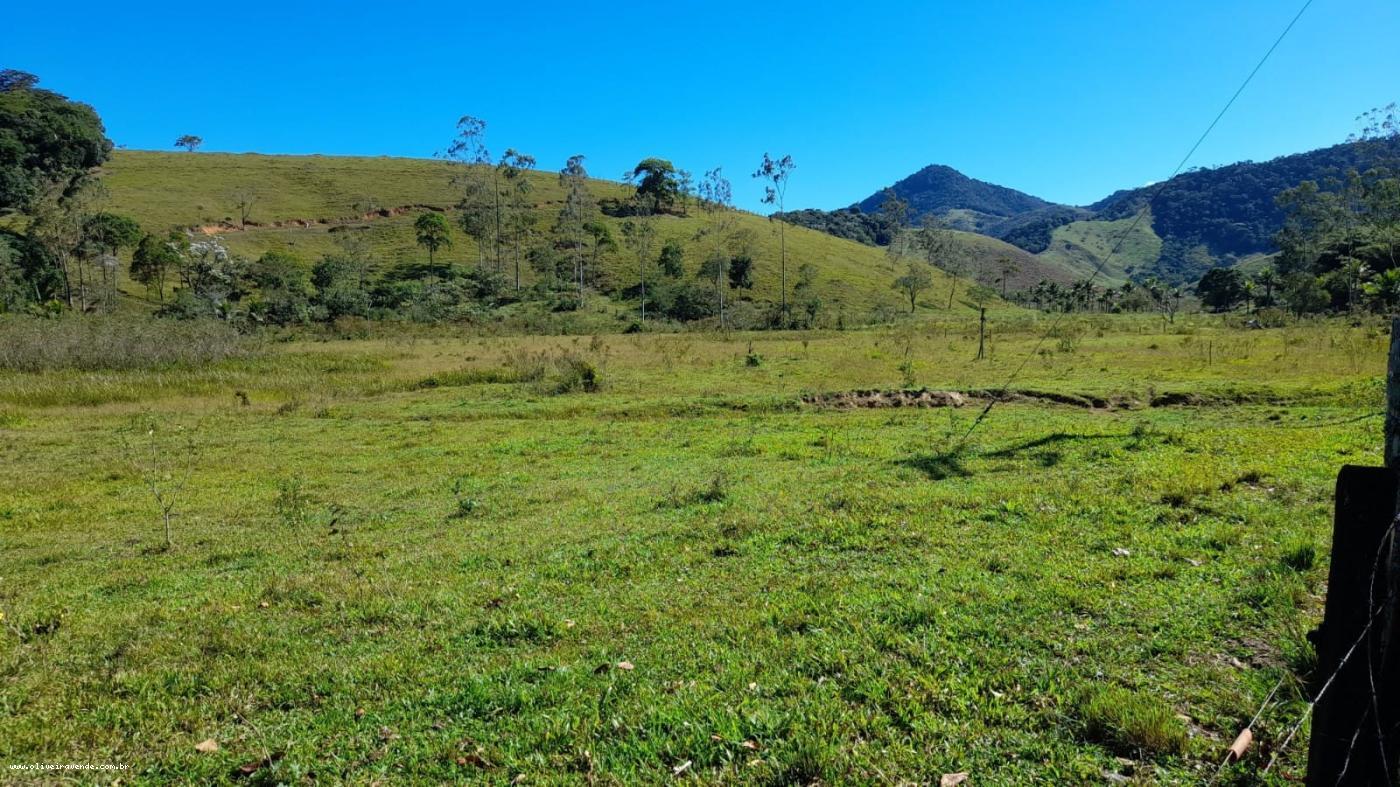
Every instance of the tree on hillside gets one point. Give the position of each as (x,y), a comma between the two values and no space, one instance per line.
(1006,268)
(342,278)
(106,234)
(601,239)
(657,186)
(775,174)
(111,232)
(639,236)
(48,144)
(741,271)
(804,292)
(189,142)
(432,232)
(571,227)
(57,227)
(481,200)
(284,289)
(153,261)
(212,279)
(243,199)
(894,215)
(939,248)
(13,79)
(517,218)
(685,188)
(716,234)
(1268,281)
(1221,289)
(671,261)
(915,280)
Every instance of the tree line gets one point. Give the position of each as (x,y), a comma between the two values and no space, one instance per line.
(1339,247)
(67,256)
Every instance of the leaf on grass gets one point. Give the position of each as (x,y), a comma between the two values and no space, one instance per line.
(952,779)
(253,766)
(627,665)
(207,746)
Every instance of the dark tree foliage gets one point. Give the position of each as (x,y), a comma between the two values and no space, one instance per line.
(153,261)
(741,272)
(283,289)
(1221,289)
(671,261)
(658,189)
(849,223)
(44,139)
(29,273)
(1231,209)
(110,232)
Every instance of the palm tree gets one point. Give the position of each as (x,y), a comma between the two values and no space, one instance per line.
(1268,279)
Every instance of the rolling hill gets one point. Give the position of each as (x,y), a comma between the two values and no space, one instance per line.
(304,204)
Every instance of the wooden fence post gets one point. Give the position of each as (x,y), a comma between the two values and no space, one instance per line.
(1356,722)
(982,335)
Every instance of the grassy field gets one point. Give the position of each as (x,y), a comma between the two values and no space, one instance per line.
(304,202)
(435,558)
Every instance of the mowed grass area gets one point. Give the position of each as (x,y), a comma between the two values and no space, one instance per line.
(400,562)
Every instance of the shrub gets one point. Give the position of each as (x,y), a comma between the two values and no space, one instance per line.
(30,344)
(557,373)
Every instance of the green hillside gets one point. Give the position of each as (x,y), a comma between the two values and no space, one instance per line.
(303,203)
(1079,247)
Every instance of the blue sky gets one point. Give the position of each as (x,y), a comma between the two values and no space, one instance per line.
(1066,100)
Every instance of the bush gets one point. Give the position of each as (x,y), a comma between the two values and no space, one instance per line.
(559,373)
(30,344)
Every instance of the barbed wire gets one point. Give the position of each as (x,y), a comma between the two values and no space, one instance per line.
(1376,609)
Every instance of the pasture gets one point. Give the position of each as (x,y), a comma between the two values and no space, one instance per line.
(436,557)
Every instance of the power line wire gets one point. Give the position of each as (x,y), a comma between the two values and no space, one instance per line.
(1143,211)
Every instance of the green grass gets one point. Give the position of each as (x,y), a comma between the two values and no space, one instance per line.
(407,560)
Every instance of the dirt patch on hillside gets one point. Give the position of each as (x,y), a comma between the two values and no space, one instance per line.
(383,213)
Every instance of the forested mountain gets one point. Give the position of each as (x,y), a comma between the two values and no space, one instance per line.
(938,189)
(1201,219)
(960,202)
(1231,209)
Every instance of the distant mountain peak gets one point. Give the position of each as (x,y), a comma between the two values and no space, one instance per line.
(939,188)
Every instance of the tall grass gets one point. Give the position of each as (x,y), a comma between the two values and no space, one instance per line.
(87,343)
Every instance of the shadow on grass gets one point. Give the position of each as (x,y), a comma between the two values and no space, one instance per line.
(1050,439)
(939,466)
(953,463)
